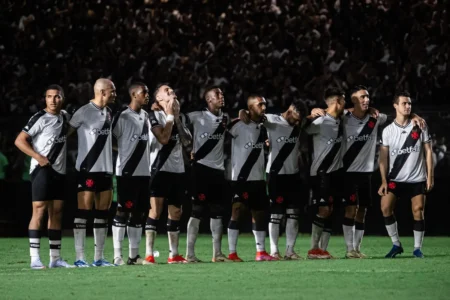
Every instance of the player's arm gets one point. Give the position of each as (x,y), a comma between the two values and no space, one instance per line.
(384,165)
(418,121)
(23,143)
(427,144)
(183,131)
(161,133)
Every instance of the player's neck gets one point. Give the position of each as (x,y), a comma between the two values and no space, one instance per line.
(214,111)
(332,111)
(53,112)
(402,120)
(360,114)
(255,118)
(98,102)
(135,107)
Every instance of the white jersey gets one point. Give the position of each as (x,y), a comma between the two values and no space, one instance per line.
(131,130)
(208,137)
(247,153)
(284,145)
(93,126)
(48,134)
(328,133)
(406,152)
(361,142)
(169,157)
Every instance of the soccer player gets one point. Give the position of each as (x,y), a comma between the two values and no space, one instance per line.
(168,135)
(283,175)
(247,175)
(209,126)
(131,129)
(328,133)
(95,167)
(44,140)
(406,166)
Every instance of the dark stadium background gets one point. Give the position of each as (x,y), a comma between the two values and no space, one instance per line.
(283,50)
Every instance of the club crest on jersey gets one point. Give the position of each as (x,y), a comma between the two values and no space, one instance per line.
(251,145)
(357,138)
(334,141)
(56,140)
(143,137)
(287,140)
(410,149)
(97,131)
(209,136)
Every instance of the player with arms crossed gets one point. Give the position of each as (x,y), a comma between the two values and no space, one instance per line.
(209,126)
(327,133)
(44,140)
(406,166)
(248,185)
(283,175)
(95,168)
(168,134)
(131,129)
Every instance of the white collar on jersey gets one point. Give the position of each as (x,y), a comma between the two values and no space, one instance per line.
(96,106)
(407,124)
(138,113)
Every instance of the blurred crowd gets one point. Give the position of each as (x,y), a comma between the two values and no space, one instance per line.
(282,49)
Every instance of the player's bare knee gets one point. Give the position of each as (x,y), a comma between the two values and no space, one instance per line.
(175,212)
(325,211)
(350,211)
(235,211)
(418,211)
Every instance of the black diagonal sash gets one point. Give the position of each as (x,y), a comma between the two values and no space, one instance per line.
(329,158)
(97,148)
(400,160)
(210,144)
(285,151)
(356,147)
(136,157)
(56,148)
(162,156)
(253,156)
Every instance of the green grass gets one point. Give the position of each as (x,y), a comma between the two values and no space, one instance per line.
(375,278)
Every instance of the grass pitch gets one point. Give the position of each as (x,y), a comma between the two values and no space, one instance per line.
(374,278)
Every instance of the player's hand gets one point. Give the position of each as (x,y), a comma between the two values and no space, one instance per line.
(318,112)
(383,190)
(267,143)
(170,107)
(430,183)
(373,112)
(155,107)
(418,121)
(244,116)
(176,109)
(42,161)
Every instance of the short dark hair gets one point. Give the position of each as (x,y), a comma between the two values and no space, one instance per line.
(209,89)
(135,85)
(357,88)
(55,87)
(301,107)
(333,92)
(156,90)
(400,94)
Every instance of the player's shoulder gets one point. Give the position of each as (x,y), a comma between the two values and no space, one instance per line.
(320,120)
(37,117)
(194,114)
(234,124)
(65,114)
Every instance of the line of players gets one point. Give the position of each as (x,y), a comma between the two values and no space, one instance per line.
(344,147)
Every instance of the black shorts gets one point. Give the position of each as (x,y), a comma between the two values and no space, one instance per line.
(284,192)
(208,185)
(251,193)
(47,184)
(133,193)
(407,190)
(96,182)
(170,186)
(327,188)
(357,189)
